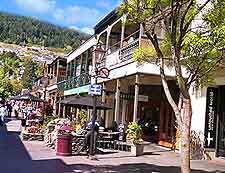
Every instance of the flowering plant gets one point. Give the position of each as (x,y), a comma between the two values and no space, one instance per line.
(134,132)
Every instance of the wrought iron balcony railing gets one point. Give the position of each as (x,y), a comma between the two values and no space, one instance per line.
(74,82)
(56,80)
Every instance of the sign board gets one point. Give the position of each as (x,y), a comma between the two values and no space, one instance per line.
(103,72)
(142,98)
(210,118)
(83,89)
(95,89)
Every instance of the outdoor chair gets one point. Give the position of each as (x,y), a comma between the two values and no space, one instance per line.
(121,145)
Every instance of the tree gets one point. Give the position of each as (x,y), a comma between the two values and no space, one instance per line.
(182,42)
(9,73)
(32,70)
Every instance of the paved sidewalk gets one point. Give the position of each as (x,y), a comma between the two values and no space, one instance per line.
(34,157)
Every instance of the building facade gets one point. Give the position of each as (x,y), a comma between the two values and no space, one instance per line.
(135,90)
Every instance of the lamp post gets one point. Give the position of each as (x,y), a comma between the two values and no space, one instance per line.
(98,54)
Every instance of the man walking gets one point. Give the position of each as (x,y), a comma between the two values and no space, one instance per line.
(9,109)
(2,113)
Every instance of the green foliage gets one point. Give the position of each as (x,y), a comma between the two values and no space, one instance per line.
(9,73)
(134,132)
(32,70)
(28,31)
(195,47)
(17,73)
(144,54)
(83,117)
(216,14)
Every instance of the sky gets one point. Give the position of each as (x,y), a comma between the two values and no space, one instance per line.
(77,14)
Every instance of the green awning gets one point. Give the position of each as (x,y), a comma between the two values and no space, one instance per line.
(83,89)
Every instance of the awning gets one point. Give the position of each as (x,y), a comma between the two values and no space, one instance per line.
(81,101)
(28,97)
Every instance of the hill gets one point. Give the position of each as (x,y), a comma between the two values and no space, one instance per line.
(27,31)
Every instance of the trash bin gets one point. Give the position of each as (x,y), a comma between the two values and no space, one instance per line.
(64,145)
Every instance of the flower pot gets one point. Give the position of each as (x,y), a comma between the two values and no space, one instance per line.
(137,149)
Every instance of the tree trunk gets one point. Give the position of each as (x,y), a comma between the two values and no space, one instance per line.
(185,136)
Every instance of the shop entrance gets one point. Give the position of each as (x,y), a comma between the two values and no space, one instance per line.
(167,129)
(158,123)
(221,124)
(150,121)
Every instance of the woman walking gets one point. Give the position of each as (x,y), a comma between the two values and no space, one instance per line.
(2,113)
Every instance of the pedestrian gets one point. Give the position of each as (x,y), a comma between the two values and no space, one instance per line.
(9,109)
(16,110)
(2,113)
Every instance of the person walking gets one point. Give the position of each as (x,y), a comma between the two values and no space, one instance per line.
(2,113)
(16,110)
(9,109)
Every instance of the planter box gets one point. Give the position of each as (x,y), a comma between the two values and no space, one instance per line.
(137,149)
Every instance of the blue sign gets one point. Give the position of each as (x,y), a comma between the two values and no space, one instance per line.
(95,89)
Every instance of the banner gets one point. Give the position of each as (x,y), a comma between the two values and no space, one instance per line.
(210,118)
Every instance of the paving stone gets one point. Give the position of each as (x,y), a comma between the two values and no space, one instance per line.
(34,157)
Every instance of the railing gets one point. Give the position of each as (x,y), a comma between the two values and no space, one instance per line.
(56,80)
(75,82)
(126,52)
(53,81)
(117,55)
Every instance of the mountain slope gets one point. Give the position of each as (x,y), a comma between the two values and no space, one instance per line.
(28,31)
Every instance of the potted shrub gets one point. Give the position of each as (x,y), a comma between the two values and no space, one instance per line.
(82,120)
(134,133)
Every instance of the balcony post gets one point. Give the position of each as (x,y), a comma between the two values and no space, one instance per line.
(141,33)
(124,18)
(117,96)
(103,99)
(59,111)
(55,105)
(53,70)
(124,111)
(64,111)
(57,69)
(136,97)
(108,35)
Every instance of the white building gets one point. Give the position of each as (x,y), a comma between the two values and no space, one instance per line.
(135,91)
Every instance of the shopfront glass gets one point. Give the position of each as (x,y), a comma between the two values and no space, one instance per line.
(221,142)
(221,125)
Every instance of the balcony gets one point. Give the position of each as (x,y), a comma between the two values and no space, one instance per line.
(56,80)
(74,82)
(124,55)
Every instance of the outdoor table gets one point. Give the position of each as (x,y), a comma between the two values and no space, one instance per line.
(109,133)
(108,136)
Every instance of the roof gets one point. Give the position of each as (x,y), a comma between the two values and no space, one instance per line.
(60,58)
(80,101)
(109,17)
(82,48)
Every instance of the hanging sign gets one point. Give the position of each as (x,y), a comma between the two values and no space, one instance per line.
(210,118)
(104,72)
(95,89)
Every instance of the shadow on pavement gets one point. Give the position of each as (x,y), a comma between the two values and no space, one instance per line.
(14,158)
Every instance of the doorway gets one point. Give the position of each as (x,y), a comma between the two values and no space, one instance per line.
(150,121)
(221,124)
(167,129)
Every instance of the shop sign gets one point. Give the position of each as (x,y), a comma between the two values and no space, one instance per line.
(142,98)
(83,89)
(95,89)
(210,118)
